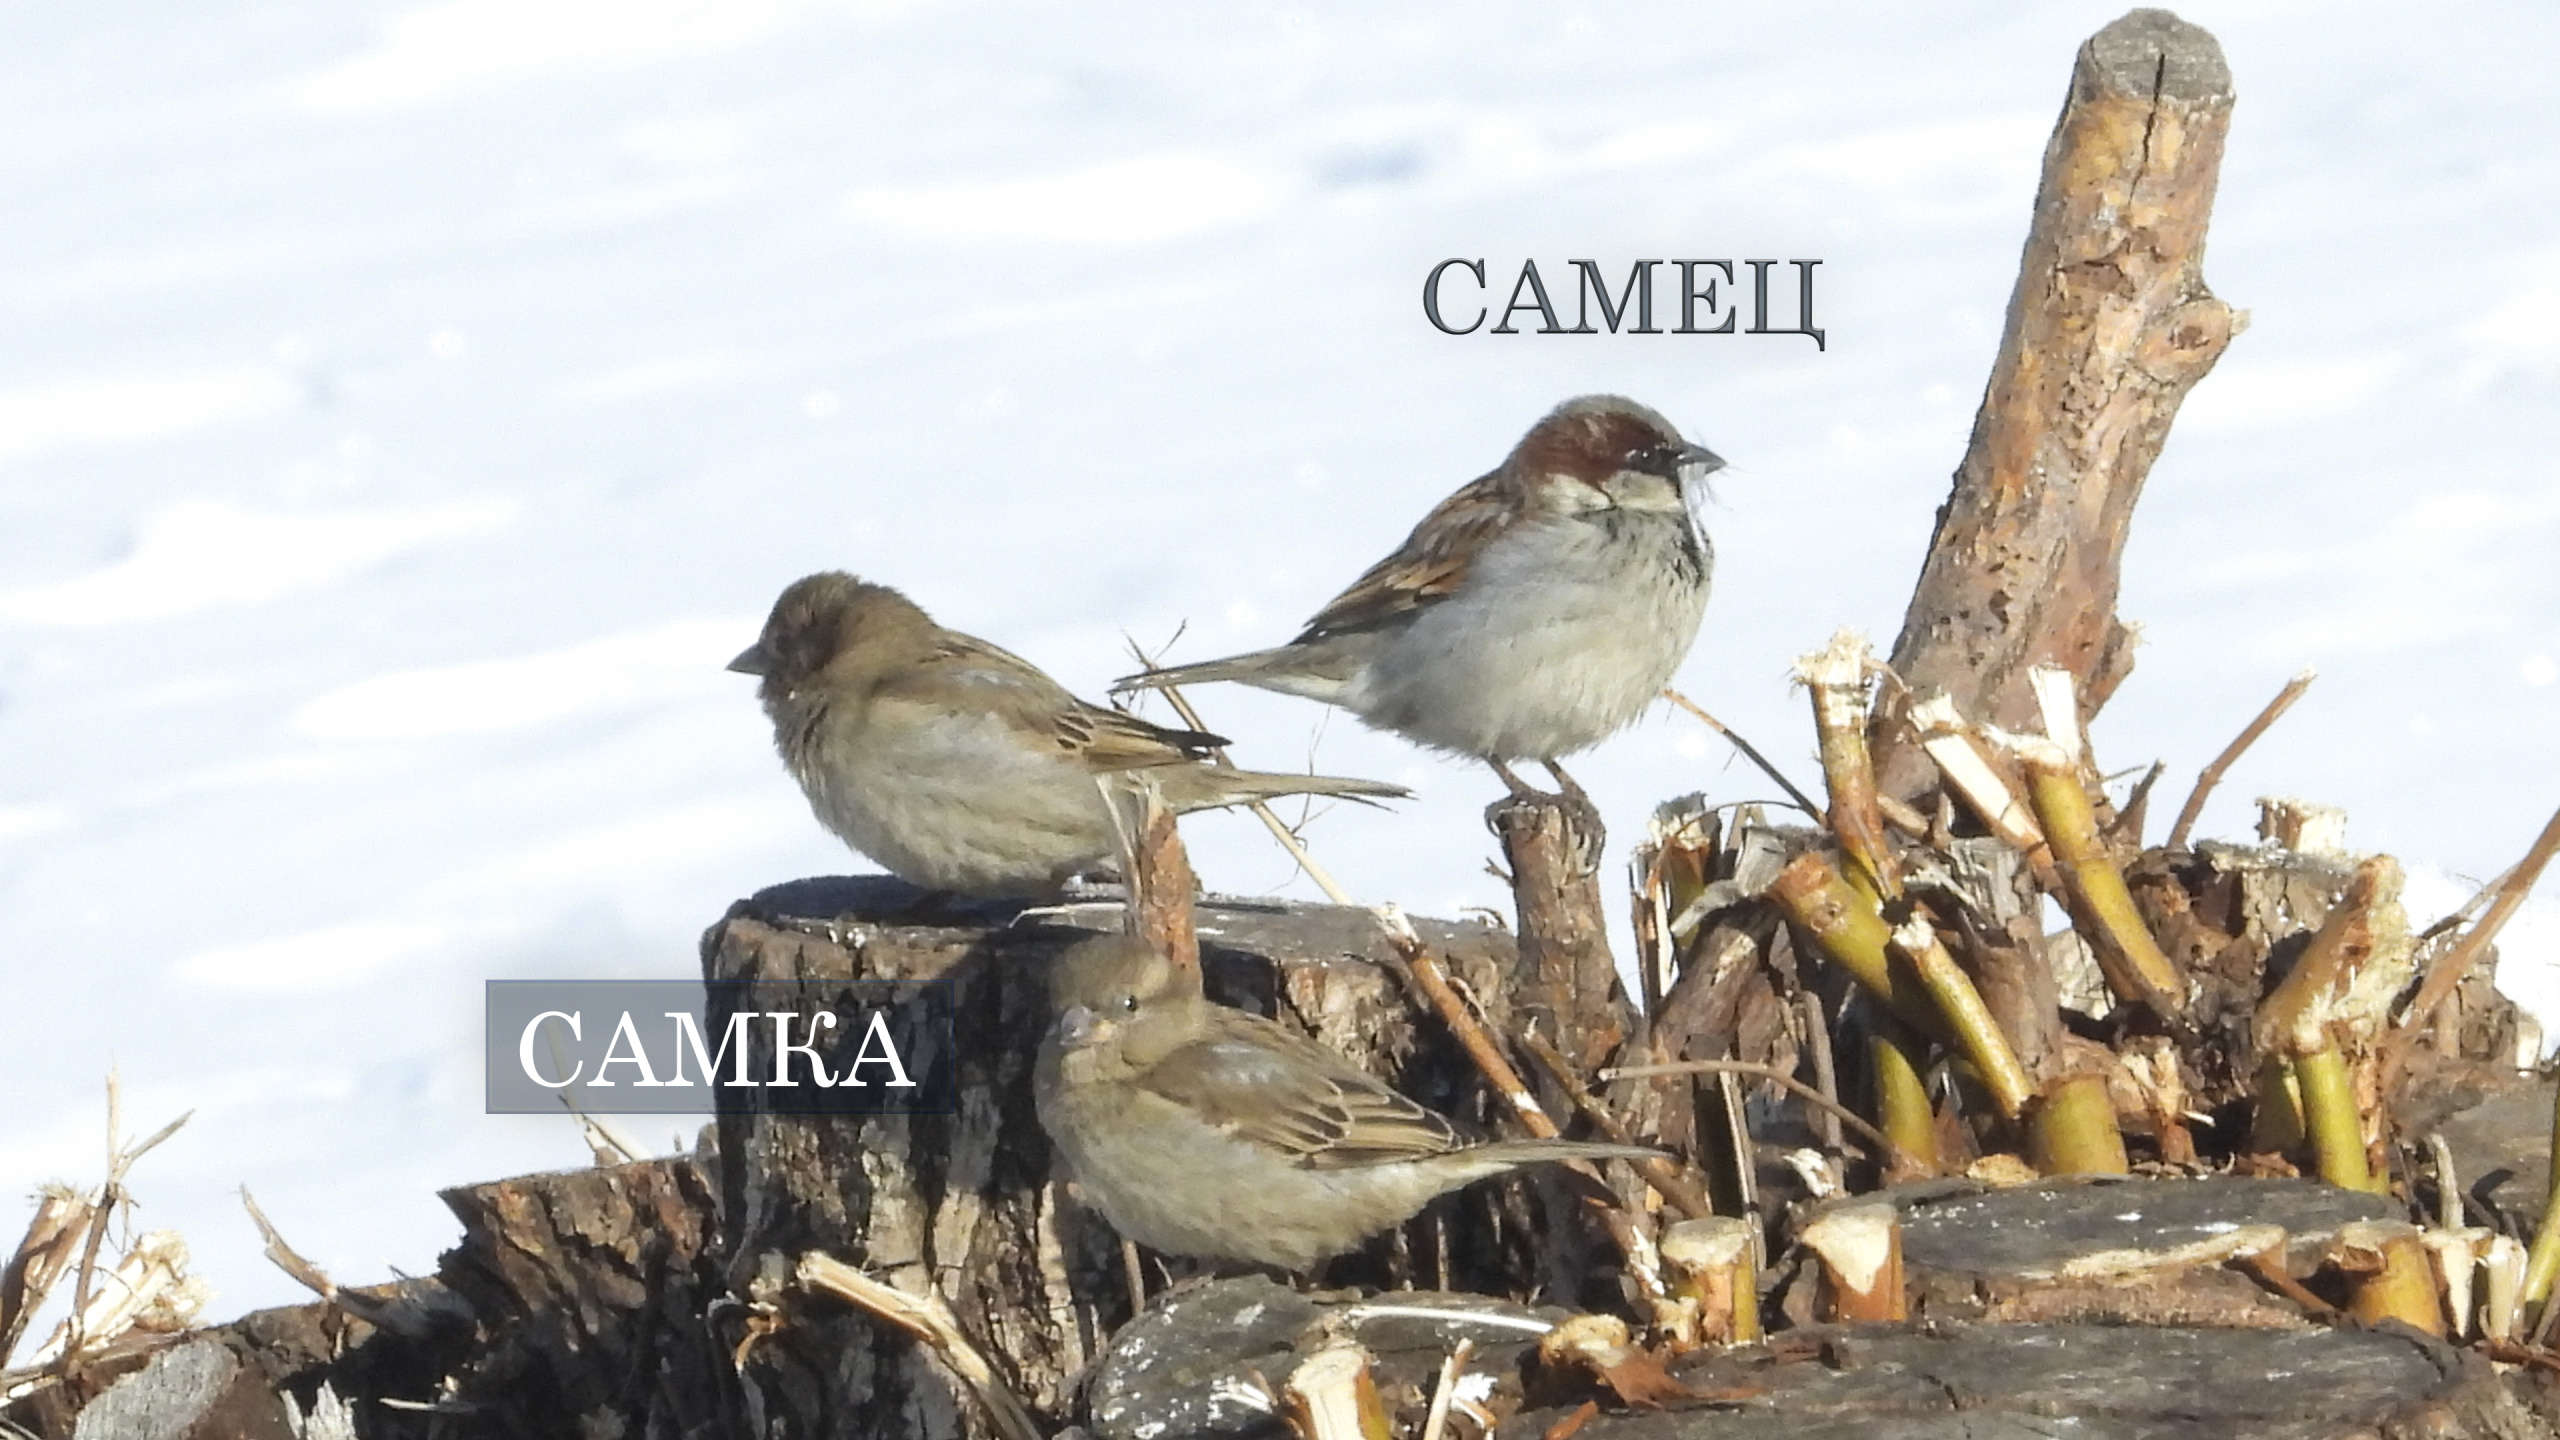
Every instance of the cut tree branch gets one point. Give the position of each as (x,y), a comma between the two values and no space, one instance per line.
(2110,325)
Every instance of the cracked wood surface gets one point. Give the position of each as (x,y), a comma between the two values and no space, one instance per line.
(2110,325)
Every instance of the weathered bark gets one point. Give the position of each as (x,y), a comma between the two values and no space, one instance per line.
(304,1372)
(591,1288)
(1730,1000)
(2005,950)
(1960,1381)
(1570,996)
(198,1389)
(574,1304)
(964,1203)
(2236,919)
(1193,1368)
(1186,1366)
(2501,1150)
(2127,1252)
(1574,994)
(2109,326)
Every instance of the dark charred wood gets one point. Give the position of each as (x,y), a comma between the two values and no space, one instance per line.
(593,1290)
(1961,1381)
(274,1375)
(1191,1366)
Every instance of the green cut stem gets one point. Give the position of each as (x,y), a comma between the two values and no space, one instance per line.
(1984,1044)
(2073,1131)
(2131,960)
(1844,921)
(2329,1112)
(1902,1103)
(2542,1263)
(2277,1126)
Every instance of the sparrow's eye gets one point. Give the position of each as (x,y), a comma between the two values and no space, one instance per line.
(1129,1004)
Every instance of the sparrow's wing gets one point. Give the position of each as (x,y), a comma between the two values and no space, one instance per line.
(966,671)
(1432,562)
(1116,740)
(1274,1087)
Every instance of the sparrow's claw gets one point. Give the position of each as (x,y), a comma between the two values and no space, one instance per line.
(1582,818)
(1582,825)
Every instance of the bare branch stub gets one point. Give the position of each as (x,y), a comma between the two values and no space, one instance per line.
(2109,327)
(1564,935)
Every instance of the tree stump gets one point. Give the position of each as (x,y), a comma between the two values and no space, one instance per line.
(1203,1365)
(591,1289)
(299,1372)
(962,1205)
(2110,1251)
(1964,1381)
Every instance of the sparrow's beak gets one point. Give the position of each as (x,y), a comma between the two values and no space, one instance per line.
(750,661)
(1679,463)
(1078,1026)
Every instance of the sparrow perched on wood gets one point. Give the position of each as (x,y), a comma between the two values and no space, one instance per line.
(1532,614)
(1204,1131)
(956,765)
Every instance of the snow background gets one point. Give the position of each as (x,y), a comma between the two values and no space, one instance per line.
(405,410)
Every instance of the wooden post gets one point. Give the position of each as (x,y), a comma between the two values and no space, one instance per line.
(2108,328)
(1564,935)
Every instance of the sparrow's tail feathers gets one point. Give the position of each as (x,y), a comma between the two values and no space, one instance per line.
(1314,670)
(1532,1152)
(1234,787)
(1475,1162)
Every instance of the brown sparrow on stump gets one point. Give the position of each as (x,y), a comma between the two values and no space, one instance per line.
(958,766)
(1203,1131)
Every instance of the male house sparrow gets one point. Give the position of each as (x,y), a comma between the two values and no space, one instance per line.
(1204,1131)
(1532,614)
(956,765)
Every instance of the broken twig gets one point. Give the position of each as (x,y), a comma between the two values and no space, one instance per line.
(1774,1075)
(929,1320)
(2447,972)
(1794,795)
(2211,775)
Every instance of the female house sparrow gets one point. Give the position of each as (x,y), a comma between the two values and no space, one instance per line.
(1204,1131)
(956,765)
(1531,614)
